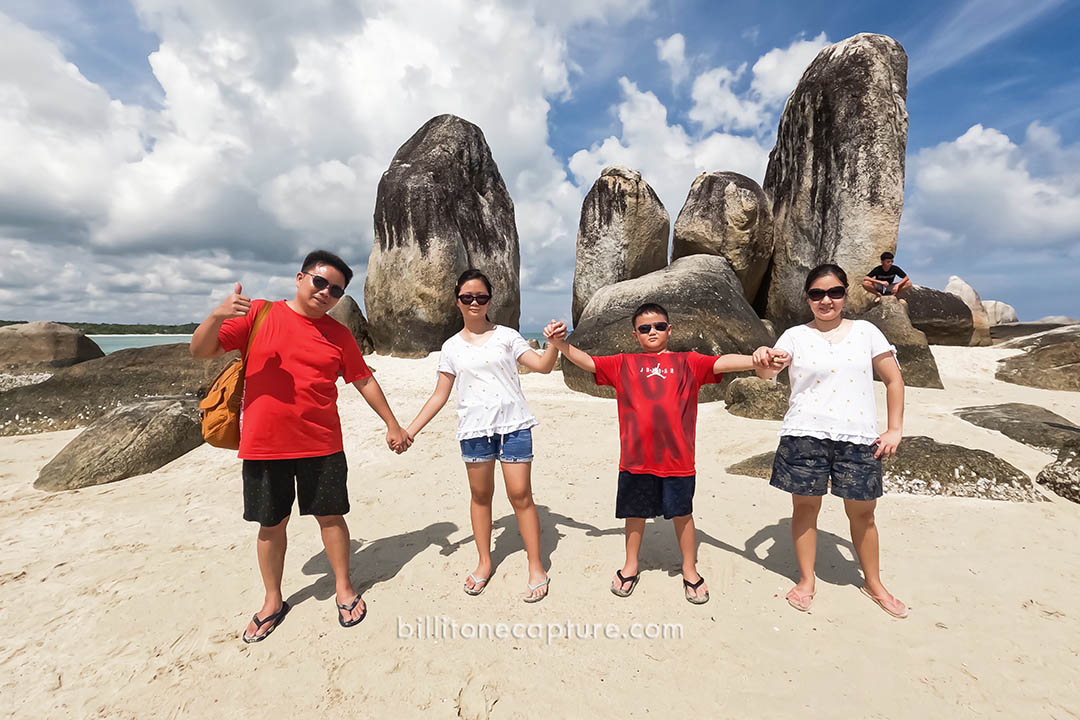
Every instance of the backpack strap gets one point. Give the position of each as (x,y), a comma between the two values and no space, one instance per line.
(259,318)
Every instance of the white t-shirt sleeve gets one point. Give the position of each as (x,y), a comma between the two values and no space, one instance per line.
(446,360)
(518,345)
(878,342)
(786,342)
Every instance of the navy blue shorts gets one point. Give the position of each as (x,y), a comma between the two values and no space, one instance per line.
(807,466)
(648,496)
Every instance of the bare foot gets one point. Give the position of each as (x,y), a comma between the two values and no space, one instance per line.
(347,599)
(479,578)
(538,585)
(701,591)
(270,606)
(628,572)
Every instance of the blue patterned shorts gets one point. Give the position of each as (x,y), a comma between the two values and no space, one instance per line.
(514,447)
(807,466)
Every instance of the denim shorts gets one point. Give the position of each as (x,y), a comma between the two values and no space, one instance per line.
(514,447)
(809,466)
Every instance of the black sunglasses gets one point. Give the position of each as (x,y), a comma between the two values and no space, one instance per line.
(321,283)
(817,294)
(468,298)
(661,326)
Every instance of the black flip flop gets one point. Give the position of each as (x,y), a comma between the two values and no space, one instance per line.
(349,609)
(622,581)
(687,586)
(276,619)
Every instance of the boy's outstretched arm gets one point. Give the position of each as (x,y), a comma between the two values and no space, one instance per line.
(579,357)
(764,360)
(396,437)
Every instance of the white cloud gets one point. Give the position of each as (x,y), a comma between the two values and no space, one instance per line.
(722,101)
(672,52)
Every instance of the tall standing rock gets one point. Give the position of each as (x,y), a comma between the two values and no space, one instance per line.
(836,174)
(979,319)
(441,208)
(623,234)
(727,214)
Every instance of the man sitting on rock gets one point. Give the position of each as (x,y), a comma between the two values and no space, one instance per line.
(290,439)
(887,278)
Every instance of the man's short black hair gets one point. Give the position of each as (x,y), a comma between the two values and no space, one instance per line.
(324,257)
(648,308)
(887,255)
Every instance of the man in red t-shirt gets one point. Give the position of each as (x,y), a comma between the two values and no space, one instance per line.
(290,433)
(657,395)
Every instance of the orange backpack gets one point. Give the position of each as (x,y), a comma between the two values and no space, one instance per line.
(222,404)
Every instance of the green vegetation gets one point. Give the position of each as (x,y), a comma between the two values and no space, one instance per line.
(116,329)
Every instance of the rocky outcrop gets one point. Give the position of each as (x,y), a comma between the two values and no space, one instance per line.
(917,363)
(836,174)
(39,346)
(76,396)
(623,234)
(757,398)
(1028,424)
(348,313)
(998,313)
(727,214)
(1063,475)
(923,466)
(979,318)
(441,208)
(130,440)
(1052,336)
(944,318)
(1012,331)
(1051,366)
(707,311)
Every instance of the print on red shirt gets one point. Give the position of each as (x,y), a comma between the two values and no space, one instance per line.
(657,395)
(290,382)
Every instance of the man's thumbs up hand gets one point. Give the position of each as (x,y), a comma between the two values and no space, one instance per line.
(236,305)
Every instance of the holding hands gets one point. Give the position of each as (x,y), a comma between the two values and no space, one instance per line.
(555,332)
(767,358)
(398,440)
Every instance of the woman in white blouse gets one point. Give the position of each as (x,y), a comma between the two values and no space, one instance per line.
(494,422)
(829,435)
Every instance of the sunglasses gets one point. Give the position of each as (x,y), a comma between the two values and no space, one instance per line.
(817,294)
(661,326)
(468,298)
(321,283)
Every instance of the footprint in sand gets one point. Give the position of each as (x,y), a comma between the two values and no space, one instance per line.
(476,699)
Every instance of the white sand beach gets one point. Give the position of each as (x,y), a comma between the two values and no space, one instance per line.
(128,600)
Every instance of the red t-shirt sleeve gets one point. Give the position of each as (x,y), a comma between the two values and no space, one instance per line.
(607,369)
(233,334)
(353,365)
(702,366)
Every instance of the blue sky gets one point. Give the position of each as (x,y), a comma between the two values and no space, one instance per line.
(166,148)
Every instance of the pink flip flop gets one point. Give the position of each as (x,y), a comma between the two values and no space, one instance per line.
(898,609)
(798,600)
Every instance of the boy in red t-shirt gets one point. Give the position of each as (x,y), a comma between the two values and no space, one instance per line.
(657,395)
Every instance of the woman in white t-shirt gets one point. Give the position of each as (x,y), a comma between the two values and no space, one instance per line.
(494,422)
(829,434)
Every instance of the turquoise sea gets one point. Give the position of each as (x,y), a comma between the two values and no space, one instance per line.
(112,343)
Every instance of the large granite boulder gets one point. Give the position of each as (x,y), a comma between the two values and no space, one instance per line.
(623,234)
(917,363)
(707,311)
(1063,475)
(35,346)
(130,440)
(1031,425)
(348,313)
(1012,331)
(979,319)
(727,214)
(1052,366)
(757,398)
(923,466)
(836,174)
(441,208)
(1062,334)
(944,318)
(76,396)
(998,313)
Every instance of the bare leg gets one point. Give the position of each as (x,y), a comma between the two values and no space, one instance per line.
(482,488)
(871,287)
(518,478)
(804,514)
(270,550)
(686,534)
(335,537)
(635,531)
(864,536)
(903,288)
